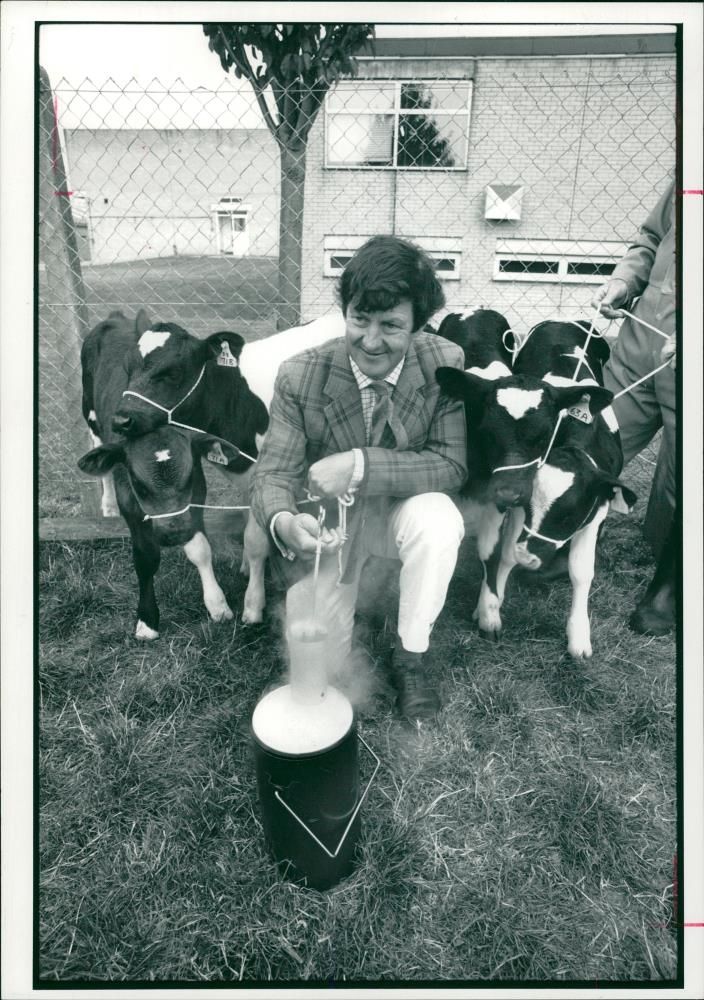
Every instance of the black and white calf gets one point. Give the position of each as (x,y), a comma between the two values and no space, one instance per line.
(578,484)
(154,478)
(168,375)
(511,420)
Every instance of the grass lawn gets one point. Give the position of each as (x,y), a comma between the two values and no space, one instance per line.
(204,294)
(528,834)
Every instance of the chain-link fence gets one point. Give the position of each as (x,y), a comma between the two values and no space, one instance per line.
(525,179)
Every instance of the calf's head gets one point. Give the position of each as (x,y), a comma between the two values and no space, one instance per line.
(163,476)
(164,370)
(567,493)
(510,423)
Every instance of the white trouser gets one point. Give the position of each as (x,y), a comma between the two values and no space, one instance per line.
(424,532)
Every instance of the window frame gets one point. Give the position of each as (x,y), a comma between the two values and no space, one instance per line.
(397,111)
(564,252)
(439,248)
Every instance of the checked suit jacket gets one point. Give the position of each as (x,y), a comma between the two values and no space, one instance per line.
(316,411)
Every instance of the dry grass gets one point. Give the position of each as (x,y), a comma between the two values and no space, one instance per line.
(527,835)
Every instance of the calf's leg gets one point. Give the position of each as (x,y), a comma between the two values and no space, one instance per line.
(512,529)
(488,545)
(581,567)
(199,553)
(147,556)
(256,550)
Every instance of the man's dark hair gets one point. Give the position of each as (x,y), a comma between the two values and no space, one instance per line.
(386,270)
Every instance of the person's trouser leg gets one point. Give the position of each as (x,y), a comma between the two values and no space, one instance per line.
(638,411)
(424,532)
(661,504)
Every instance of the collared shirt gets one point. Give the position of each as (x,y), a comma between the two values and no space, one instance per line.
(368,400)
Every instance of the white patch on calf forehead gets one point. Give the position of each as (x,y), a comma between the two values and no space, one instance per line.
(518,402)
(549,485)
(151,339)
(497,369)
(610,418)
(163,456)
(562,382)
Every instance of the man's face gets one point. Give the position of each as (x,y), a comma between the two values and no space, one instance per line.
(376,341)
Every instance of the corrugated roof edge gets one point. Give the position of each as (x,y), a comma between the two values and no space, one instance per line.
(525,45)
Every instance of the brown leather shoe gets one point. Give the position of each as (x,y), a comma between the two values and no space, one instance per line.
(416,698)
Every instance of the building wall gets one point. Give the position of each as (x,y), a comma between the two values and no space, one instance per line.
(590,139)
(151,190)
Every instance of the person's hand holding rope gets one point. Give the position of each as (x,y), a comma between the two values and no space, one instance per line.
(669,351)
(300,533)
(609,297)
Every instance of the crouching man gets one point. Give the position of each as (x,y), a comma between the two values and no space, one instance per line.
(363,415)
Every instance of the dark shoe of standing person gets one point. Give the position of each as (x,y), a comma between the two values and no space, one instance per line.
(416,696)
(656,612)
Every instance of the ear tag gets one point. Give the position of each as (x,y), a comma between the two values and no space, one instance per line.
(217,455)
(581,411)
(226,358)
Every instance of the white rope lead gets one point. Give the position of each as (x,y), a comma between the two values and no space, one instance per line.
(643,323)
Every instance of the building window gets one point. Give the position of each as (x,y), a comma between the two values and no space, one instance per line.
(379,124)
(446,252)
(562,261)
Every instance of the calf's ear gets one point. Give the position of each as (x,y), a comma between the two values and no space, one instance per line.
(101,459)
(461,385)
(225,347)
(142,322)
(566,396)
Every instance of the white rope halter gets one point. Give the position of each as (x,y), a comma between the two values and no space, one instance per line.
(592,332)
(176,423)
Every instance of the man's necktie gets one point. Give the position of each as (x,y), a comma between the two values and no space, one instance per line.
(383,414)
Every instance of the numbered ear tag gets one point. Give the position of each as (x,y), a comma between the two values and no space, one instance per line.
(217,455)
(581,411)
(226,357)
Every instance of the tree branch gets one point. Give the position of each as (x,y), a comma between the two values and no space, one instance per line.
(240,60)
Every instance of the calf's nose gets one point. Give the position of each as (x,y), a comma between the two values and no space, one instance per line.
(507,494)
(121,424)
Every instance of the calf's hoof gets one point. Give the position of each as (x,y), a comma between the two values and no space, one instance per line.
(579,648)
(490,634)
(222,614)
(144,632)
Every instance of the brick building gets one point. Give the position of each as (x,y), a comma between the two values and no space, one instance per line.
(525,165)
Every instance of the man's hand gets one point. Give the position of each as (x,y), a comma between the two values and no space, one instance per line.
(609,297)
(331,476)
(669,351)
(299,532)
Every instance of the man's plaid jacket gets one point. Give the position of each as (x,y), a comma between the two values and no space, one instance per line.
(316,411)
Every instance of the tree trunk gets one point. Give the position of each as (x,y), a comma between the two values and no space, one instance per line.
(293,176)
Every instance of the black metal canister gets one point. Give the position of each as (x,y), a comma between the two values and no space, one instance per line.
(307,763)
(308,805)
